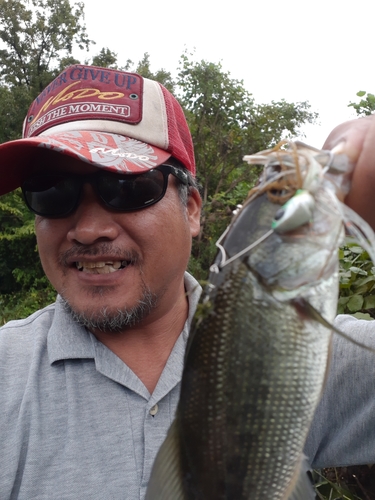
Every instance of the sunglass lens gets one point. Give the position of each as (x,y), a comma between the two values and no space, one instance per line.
(132,192)
(51,196)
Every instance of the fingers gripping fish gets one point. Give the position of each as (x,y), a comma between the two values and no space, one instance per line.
(256,357)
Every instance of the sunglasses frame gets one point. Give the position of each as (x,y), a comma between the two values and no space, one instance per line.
(93,180)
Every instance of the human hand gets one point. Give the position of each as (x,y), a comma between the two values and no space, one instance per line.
(356,139)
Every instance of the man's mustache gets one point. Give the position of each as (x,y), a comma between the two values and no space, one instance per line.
(78,252)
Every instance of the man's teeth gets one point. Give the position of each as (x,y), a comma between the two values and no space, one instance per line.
(101,267)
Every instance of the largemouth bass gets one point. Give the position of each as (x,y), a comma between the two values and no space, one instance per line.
(258,352)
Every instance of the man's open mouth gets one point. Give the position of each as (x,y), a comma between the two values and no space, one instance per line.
(103,267)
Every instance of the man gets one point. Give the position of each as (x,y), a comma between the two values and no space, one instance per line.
(89,385)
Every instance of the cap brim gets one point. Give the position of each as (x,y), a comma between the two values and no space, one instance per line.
(110,151)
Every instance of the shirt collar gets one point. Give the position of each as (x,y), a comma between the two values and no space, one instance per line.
(68,340)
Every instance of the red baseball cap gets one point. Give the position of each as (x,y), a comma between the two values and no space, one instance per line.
(108,118)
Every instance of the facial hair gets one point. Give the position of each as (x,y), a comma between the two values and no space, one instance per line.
(106,320)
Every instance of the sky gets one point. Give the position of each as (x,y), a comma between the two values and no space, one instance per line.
(319,51)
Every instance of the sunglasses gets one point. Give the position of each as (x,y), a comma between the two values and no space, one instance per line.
(58,195)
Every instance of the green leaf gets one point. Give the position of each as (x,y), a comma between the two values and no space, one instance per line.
(346,274)
(365,316)
(355,303)
(368,279)
(358,270)
(343,300)
(369,302)
(356,249)
(341,309)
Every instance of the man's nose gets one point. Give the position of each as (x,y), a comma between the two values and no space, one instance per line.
(92,221)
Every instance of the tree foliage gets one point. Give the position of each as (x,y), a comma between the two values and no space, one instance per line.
(144,69)
(23,286)
(366,106)
(105,59)
(38,34)
(357,282)
(14,104)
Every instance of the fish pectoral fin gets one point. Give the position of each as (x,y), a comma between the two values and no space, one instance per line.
(306,309)
(301,488)
(166,476)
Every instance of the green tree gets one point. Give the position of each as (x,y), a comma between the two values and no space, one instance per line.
(13,106)
(38,34)
(162,76)
(365,106)
(108,59)
(23,286)
(105,59)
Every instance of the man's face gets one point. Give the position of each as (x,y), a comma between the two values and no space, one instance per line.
(102,261)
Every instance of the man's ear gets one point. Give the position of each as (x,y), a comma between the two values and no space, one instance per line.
(194,205)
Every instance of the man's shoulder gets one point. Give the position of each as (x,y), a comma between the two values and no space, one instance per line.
(37,323)
(23,350)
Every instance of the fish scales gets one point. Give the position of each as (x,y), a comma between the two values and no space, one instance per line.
(268,419)
(255,361)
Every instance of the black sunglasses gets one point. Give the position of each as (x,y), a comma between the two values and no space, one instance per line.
(58,195)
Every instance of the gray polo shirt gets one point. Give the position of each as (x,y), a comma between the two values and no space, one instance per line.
(343,430)
(75,422)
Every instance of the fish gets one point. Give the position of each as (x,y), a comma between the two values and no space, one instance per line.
(259,348)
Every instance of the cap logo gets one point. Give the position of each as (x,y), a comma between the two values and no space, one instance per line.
(78,94)
(82,93)
(120,153)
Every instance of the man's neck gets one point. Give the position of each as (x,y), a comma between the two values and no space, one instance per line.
(146,347)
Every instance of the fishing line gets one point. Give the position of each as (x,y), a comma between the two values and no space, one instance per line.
(224,262)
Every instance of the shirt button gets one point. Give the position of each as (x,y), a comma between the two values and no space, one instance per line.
(154,410)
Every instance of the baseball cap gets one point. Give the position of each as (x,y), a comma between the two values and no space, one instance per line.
(111,119)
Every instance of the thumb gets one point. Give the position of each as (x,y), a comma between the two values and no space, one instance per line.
(356,139)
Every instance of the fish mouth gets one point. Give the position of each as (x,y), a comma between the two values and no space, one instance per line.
(101,267)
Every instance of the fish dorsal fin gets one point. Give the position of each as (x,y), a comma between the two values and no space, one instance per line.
(166,477)
(305,308)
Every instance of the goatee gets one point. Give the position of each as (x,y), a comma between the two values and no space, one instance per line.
(114,321)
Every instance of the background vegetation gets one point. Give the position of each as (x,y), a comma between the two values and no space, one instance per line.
(38,37)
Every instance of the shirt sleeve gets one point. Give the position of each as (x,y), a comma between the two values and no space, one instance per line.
(343,429)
